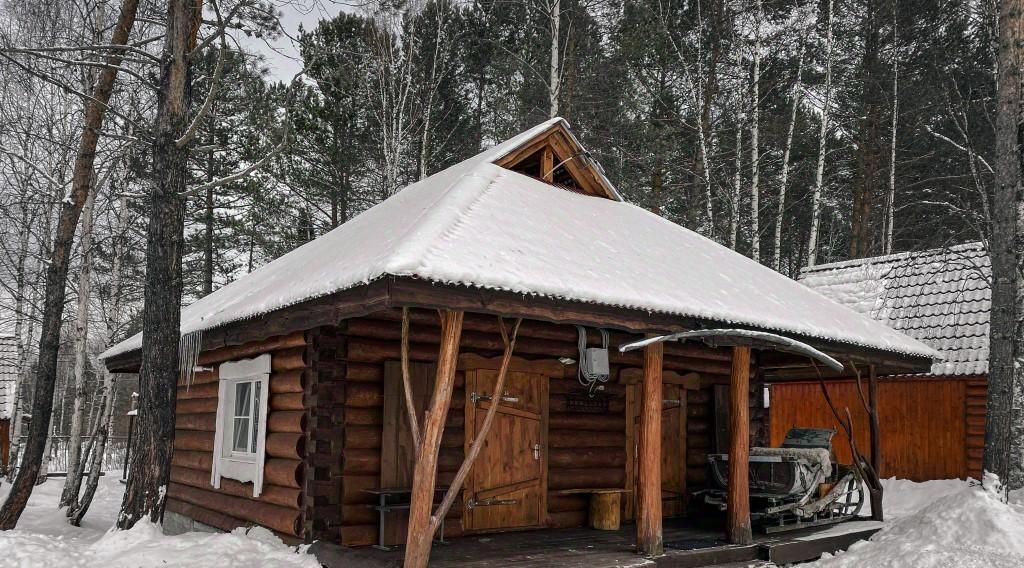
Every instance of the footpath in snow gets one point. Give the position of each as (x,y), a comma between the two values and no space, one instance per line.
(940,524)
(44,539)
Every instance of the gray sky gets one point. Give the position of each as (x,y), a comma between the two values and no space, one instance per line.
(282,54)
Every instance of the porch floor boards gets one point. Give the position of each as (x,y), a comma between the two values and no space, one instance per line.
(588,548)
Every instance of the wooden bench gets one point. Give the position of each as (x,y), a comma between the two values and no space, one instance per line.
(384,507)
(605,512)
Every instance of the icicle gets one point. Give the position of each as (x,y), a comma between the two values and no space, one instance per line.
(188,355)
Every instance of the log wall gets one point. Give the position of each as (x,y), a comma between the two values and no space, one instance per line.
(585,450)
(281,505)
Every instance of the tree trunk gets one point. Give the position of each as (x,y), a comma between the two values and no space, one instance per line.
(798,88)
(73,480)
(101,434)
(812,241)
(154,430)
(869,150)
(890,201)
(737,181)
(554,71)
(1004,432)
(755,157)
(57,272)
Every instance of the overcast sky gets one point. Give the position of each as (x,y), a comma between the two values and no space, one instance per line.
(282,55)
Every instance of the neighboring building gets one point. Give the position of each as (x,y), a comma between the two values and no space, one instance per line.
(932,424)
(8,383)
(296,419)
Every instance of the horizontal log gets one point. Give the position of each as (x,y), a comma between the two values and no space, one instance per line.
(192,459)
(215,519)
(359,535)
(354,486)
(364,395)
(696,458)
(702,441)
(559,403)
(563,503)
(537,329)
(363,437)
(583,478)
(286,401)
(205,390)
(567,386)
(354,515)
(193,440)
(272,494)
(286,421)
(363,416)
(578,421)
(202,378)
(698,411)
(286,445)
(275,517)
(283,472)
(196,406)
(567,519)
(702,396)
(291,381)
(360,462)
(453,438)
(585,439)
(587,457)
(288,359)
(203,422)
(364,373)
(697,425)
(253,348)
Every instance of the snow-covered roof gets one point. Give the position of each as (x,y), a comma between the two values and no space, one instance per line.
(8,373)
(941,297)
(479,225)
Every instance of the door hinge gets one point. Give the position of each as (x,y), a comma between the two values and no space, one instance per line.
(473,503)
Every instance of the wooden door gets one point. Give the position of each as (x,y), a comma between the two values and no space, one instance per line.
(507,486)
(673,449)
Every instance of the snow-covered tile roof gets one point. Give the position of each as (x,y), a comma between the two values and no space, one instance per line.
(940,297)
(480,225)
(8,373)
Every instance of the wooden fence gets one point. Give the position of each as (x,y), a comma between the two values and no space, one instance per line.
(931,428)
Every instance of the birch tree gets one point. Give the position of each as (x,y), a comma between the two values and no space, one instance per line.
(823,133)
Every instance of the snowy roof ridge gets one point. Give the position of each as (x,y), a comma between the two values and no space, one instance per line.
(940,296)
(479,225)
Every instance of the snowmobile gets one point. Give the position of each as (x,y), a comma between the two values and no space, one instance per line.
(795,486)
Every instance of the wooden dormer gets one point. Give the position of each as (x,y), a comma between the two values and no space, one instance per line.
(555,156)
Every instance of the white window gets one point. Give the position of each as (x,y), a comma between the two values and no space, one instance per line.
(242,422)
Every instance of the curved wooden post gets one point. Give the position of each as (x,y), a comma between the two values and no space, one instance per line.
(648,521)
(420,537)
(738,506)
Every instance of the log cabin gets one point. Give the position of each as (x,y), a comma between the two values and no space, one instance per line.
(942,297)
(366,363)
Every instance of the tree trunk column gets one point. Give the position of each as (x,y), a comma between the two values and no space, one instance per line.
(738,511)
(420,537)
(648,523)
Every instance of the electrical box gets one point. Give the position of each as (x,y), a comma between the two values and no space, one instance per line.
(595,364)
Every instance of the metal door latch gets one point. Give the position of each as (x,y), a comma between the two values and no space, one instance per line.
(473,503)
(536,452)
(475,398)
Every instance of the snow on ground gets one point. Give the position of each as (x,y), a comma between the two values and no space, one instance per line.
(44,538)
(940,524)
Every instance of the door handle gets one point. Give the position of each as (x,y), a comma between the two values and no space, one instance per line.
(536,452)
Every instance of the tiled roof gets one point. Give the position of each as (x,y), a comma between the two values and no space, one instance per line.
(941,297)
(8,373)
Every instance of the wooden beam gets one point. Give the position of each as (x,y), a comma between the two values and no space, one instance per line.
(738,504)
(419,537)
(648,522)
(547,164)
(876,442)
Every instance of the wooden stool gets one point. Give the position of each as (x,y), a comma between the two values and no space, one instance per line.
(605,506)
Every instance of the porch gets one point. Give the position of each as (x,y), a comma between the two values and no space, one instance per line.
(687,545)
